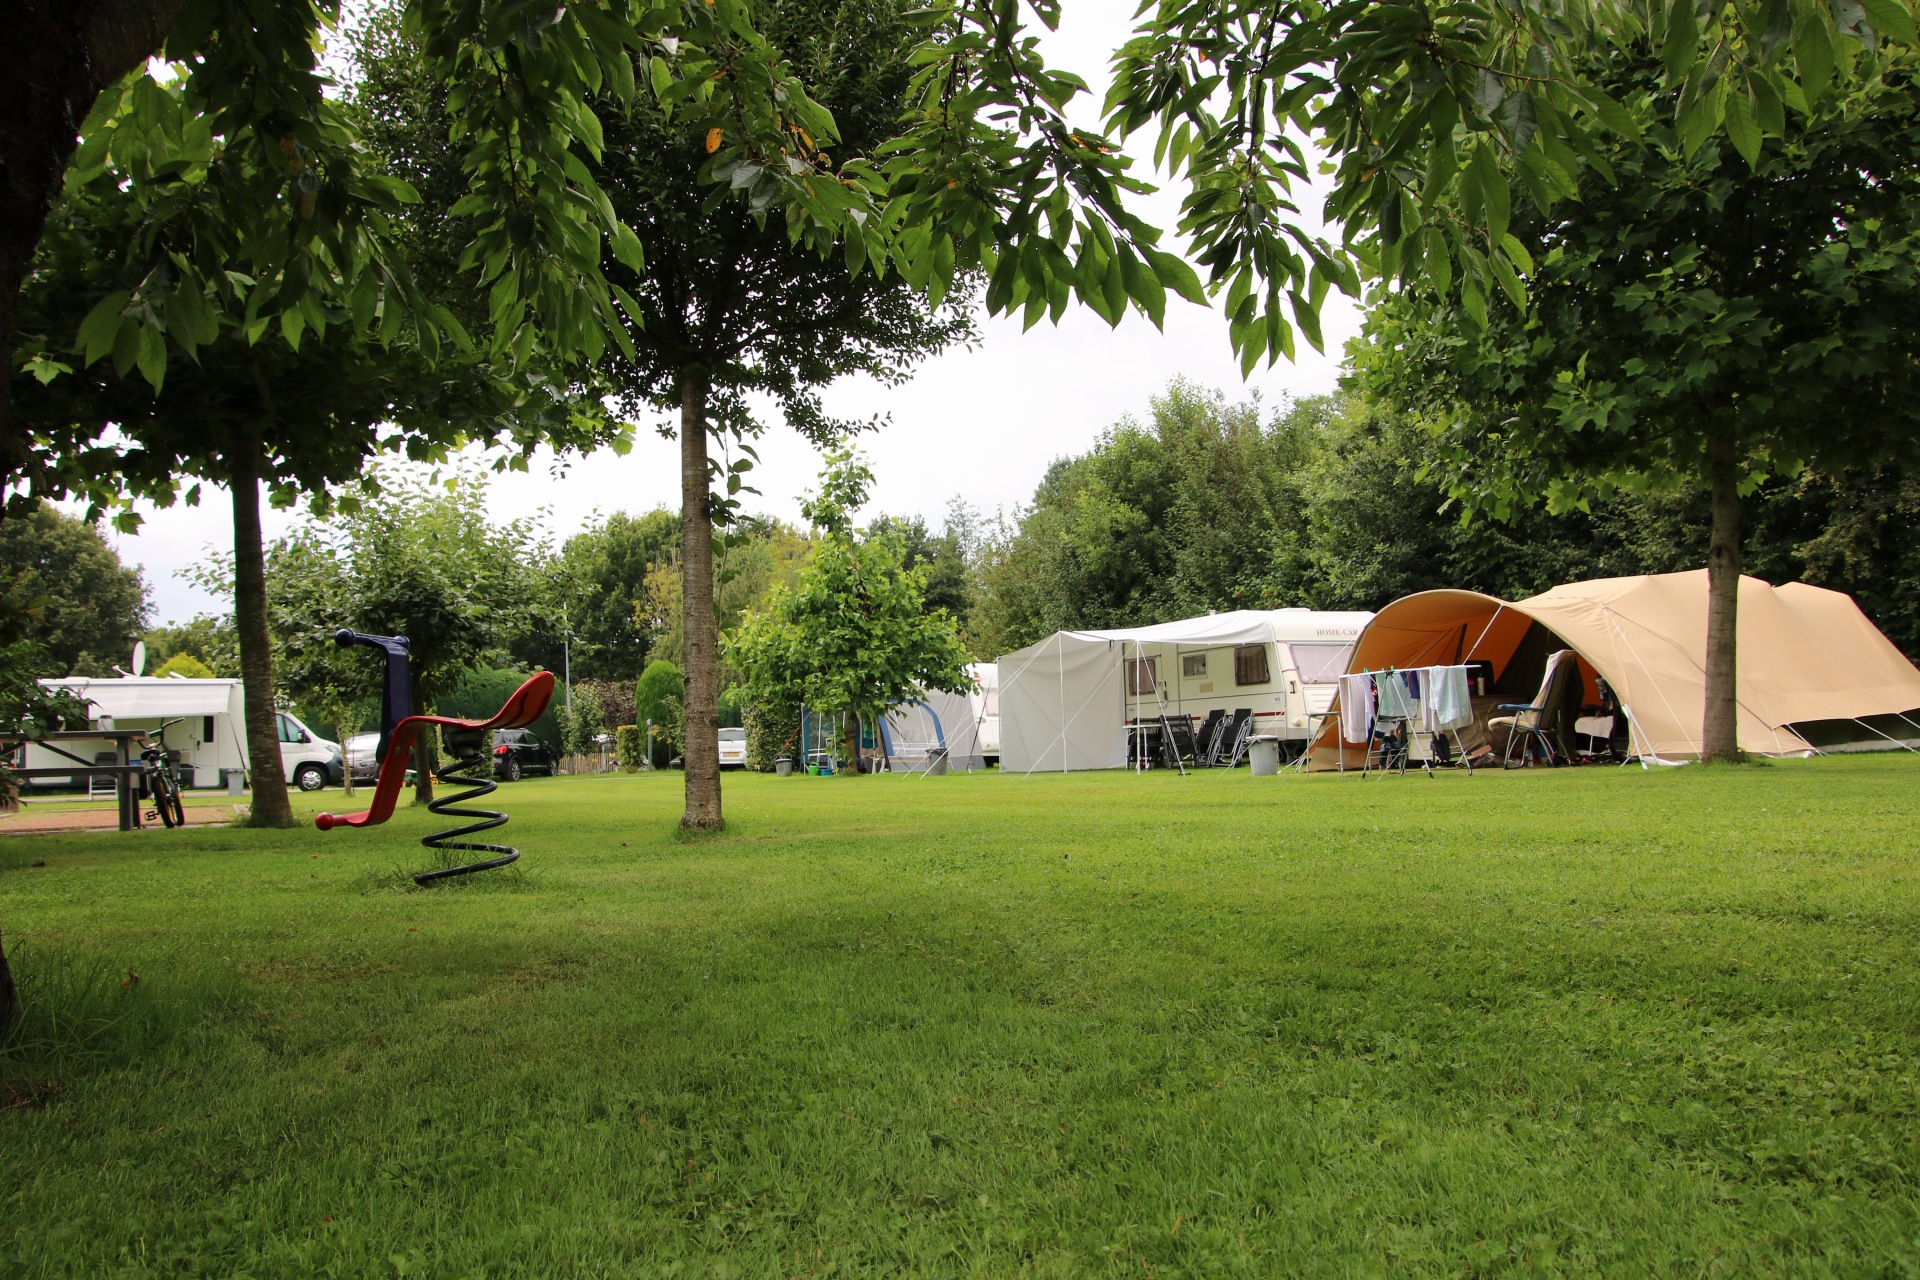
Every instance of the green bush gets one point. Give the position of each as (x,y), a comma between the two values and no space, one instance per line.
(656,701)
(629,747)
(771,733)
(186,666)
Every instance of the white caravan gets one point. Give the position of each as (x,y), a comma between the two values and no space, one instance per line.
(210,736)
(1065,702)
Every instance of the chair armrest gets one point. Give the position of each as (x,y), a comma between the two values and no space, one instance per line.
(1515,706)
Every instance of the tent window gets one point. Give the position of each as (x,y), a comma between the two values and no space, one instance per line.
(1142,676)
(993,702)
(1250,664)
(1321,663)
(1193,665)
(206,728)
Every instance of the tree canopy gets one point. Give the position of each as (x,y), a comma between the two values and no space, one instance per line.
(91,608)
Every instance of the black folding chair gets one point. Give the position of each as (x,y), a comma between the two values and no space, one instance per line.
(1235,734)
(1176,741)
(1207,740)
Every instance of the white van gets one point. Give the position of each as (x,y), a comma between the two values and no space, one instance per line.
(309,761)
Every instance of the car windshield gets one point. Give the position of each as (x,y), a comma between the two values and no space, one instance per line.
(733,735)
(507,737)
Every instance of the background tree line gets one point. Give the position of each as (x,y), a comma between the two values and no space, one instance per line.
(1334,502)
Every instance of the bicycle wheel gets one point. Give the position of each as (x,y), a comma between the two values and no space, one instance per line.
(166,798)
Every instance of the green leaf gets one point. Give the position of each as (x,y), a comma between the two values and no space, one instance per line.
(1742,128)
(1891,19)
(626,248)
(1813,51)
(1495,200)
(101,327)
(1682,44)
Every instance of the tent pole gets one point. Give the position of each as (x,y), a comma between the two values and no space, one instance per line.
(1060,669)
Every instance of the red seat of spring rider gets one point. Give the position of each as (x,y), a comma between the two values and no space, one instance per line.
(526,705)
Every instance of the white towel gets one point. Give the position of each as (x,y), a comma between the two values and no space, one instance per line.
(1447,697)
(1356,708)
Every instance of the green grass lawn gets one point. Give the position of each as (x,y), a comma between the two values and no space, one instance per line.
(1559,1022)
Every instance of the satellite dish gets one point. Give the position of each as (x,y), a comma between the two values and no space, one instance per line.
(139,663)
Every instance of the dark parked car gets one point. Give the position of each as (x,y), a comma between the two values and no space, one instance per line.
(517,752)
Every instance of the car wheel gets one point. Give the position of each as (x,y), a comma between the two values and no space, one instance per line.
(512,772)
(309,777)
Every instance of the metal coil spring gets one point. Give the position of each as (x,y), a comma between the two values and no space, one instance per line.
(460,771)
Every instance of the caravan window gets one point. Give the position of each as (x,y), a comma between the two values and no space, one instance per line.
(1142,676)
(1250,664)
(1321,663)
(1193,665)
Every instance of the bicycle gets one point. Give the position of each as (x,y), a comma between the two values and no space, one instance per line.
(159,779)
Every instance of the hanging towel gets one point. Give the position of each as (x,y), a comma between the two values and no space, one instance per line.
(1356,708)
(1448,698)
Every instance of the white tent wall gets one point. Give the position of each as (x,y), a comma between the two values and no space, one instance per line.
(209,737)
(1062,705)
(940,719)
(985,704)
(1065,701)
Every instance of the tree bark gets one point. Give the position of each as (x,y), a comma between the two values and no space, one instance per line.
(423,752)
(9,996)
(271,808)
(58,56)
(1720,731)
(701,751)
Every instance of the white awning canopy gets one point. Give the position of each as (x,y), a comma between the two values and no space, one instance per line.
(1244,626)
(149,698)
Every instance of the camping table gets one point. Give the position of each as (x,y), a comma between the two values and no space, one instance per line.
(122,771)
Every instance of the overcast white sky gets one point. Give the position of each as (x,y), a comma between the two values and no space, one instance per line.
(982,423)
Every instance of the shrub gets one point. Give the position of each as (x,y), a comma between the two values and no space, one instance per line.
(629,747)
(187,666)
(656,700)
(771,733)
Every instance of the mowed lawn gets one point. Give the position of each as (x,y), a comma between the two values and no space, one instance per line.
(1571,1022)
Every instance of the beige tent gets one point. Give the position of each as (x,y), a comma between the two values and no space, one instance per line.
(1806,656)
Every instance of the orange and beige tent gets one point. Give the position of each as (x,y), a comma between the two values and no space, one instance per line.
(1806,656)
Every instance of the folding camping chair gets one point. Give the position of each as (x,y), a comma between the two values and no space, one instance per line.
(1176,742)
(1234,736)
(1207,740)
(1534,726)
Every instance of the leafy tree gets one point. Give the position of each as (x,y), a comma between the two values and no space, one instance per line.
(299,414)
(596,582)
(856,636)
(658,701)
(207,639)
(1693,327)
(944,555)
(91,604)
(582,722)
(186,666)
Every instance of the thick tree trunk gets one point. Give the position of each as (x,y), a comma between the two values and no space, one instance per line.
(424,756)
(271,807)
(58,56)
(9,997)
(1720,732)
(702,650)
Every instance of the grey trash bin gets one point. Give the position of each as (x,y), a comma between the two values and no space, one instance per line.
(783,768)
(1263,754)
(234,780)
(937,762)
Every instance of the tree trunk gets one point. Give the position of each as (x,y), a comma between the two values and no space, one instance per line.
(9,997)
(1720,733)
(59,55)
(424,756)
(271,807)
(701,751)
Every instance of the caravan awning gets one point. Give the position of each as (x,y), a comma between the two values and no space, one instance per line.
(149,698)
(1243,626)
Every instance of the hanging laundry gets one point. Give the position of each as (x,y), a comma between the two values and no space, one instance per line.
(1448,697)
(1396,700)
(1356,708)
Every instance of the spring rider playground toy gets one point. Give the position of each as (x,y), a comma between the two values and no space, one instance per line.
(467,741)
